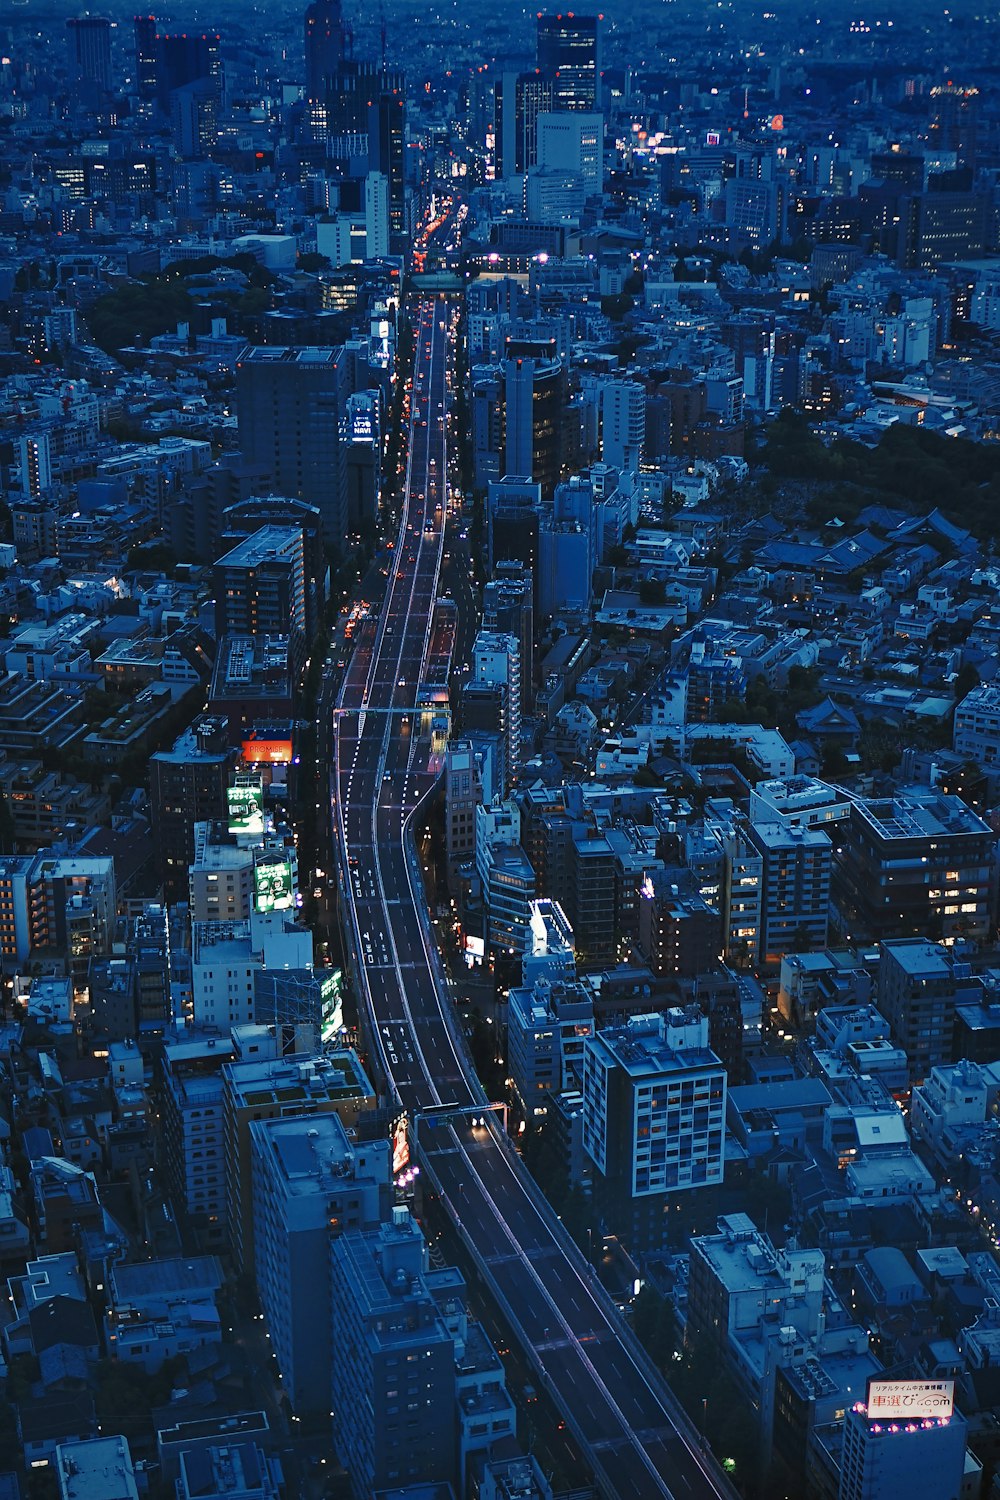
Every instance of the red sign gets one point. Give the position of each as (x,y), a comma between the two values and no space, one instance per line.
(267,752)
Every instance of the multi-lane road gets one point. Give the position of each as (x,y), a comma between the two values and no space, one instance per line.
(619,1411)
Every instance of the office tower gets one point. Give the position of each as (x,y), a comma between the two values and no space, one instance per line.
(263,1086)
(534,411)
(920,863)
(573,143)
(921,1457)
(902,169)
(387,144)
(291,405)
(187,786)
(496,662)
(310,1183)
(260,586)
(324,47)
(145,58)
(512,509)
(194,119)
(349,94)
(376,215)
(941,227)
(567,549)
(953,124)
(519,99)
(394,1373)
(183,59)
(623,423)
(796,871)
(89,42)
(569,56)
(654,1108)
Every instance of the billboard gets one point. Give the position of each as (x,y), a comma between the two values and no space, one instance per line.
(245,807)
(400,1146)
(267,752)
(895,1400)
(273,886)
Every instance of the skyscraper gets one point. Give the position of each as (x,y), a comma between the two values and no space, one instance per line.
(534,409)
(519,98)
(89,41)
(186,58)
(292,407)
(953,122)
(387,143)
(569,55)
(324,45)
(145,57)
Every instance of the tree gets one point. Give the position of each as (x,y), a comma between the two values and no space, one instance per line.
(967,679)
(652,591)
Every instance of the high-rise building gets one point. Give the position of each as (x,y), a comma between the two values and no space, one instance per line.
(260,585)
(145,58)
(519,99)
(623,423)
(954,120)
(194,119)
(221,877)
(89,41)
(508,608)
(324,46)
(569,55)
(941,227)
(187,786)
(462,795)
(292,405)
(496,662)
(534,411)
(547,1027)
(377,215)
(796,867)
(512,509)
(573,143)
(184,58)
(394,1375)
(310,1183)
(191,1106)
(654,1101)
(918,990)
(266,1087)
(387,144)
(920,863)
(923,1458)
